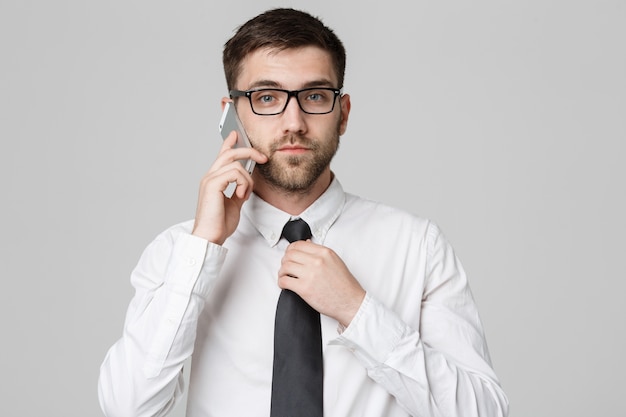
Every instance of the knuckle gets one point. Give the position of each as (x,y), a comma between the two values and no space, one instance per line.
(327,252)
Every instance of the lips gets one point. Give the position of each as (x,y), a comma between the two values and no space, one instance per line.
(293,149)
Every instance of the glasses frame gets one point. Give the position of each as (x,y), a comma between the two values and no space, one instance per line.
(290,93)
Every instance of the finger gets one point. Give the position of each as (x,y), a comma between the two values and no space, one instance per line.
(214,184)
(229,141)
(229,157)
(294,270)
(288,283)
(232,172)
(293,283)
(243,190)
(307,251)
(243,183)
(294,261)
(305,246)
(239,153)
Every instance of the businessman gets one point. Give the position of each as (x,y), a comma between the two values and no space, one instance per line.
(293,297)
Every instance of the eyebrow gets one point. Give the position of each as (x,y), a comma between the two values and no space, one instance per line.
(322,82)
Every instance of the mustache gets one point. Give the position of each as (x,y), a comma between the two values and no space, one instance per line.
(293,139)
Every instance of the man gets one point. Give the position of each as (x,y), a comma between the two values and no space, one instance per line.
(400,333)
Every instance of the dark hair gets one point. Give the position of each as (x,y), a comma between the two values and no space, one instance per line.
(281,29)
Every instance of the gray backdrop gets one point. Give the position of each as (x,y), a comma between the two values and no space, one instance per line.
(501,121)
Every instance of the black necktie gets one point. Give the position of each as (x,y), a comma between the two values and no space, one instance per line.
(297,383)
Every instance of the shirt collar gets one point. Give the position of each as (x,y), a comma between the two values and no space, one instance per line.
(320,215)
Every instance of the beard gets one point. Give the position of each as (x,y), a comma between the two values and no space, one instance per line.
(298,173)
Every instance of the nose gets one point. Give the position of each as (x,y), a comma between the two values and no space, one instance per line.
(293,118)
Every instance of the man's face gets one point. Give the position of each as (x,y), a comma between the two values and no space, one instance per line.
(299,146)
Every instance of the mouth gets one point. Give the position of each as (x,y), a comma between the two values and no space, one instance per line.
(293,149)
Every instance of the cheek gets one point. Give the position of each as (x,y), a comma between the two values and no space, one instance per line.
(251,123)
(256,143)
(258,134)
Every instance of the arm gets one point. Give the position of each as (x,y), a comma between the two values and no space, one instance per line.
(441,369)
(142,373)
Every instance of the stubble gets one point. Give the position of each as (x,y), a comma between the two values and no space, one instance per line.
(298,173)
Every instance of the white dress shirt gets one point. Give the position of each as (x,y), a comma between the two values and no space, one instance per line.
(415,348)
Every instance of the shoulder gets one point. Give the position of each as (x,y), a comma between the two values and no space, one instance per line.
(397,229)
(378,212)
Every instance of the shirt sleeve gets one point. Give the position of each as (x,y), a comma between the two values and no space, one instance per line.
(142,372)
(441,369)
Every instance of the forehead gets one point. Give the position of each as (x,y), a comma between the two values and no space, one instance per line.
(290,68)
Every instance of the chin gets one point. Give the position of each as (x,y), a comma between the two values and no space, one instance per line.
(289,178)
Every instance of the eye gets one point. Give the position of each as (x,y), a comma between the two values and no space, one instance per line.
(318,96)
(266,98)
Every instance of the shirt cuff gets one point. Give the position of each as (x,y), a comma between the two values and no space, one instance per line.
(373,334)
(196,264)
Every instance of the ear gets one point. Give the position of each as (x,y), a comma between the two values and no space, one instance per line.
(224,101)
(345,113)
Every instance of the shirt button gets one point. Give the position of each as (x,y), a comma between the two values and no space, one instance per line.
(191,261)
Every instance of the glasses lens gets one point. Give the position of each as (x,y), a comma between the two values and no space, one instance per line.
(317,100)
(268,101)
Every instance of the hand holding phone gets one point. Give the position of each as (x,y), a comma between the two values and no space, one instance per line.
(229,122)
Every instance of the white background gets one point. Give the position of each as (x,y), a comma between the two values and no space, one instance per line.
(504,122)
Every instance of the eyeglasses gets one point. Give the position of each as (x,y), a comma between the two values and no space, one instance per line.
(272,101)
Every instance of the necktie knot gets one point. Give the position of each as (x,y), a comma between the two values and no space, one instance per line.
(296,230)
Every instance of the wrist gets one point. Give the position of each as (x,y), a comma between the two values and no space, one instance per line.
(207,235)
(352,308)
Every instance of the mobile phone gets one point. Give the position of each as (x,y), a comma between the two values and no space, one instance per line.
(229,122)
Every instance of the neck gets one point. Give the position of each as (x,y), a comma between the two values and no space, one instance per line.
(292,202)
